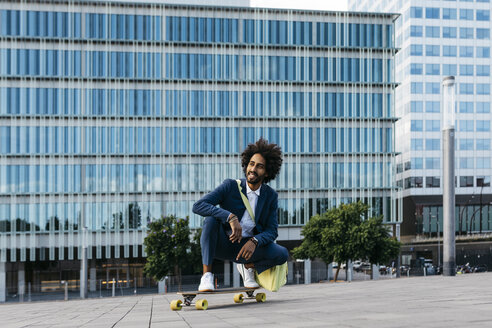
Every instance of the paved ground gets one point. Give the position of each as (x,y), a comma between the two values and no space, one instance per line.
(433,301)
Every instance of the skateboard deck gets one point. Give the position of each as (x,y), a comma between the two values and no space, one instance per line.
(202,304)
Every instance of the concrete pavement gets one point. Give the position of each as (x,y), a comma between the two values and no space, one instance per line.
(434,301)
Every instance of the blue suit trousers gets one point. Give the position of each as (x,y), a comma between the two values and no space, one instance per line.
(215,244)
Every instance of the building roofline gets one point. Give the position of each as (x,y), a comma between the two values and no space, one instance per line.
(149,4)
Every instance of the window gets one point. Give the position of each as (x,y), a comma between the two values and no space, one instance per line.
(416,144)
(432,163)
(416,163)
(416,69)
(466,162)
(483,52)
(413,182)
(487,1)
(415,12)
(466,125)
(483,15)
(466,181)
(483,181)
(432,50)
(483,163)
(416,106)
(432,106)
(432,88)
(432,13)
(416,182)
(483,89)
(449,32)
(432,125)
(432,182)
(432,31)
(466,70)
(416,50)
(466,51)
(448,13)
(483,125)
(399,168)
(466,107)
(483,107)
(466,88)
(417,125)
(483,33)
(416,30)
(432,69)
(483,70)
(449,51)
(466,14)
(483,144)
(465,144)
(466,33)
(449,69)
(432,144)
(416,87)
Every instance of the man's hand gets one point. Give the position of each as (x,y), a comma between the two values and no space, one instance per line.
(247,250)
(237,231)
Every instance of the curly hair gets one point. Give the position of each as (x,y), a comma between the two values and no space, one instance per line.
(271,153)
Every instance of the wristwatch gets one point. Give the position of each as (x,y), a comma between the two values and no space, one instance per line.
(232,218)
(254,240)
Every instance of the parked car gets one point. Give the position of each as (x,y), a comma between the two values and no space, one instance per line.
(365,267)
(357,265)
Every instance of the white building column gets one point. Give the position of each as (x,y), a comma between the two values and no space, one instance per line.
(3,282)
(236,282)
(330,274)
(227,273)
(92,274)
(21,281)
(307,271)
(161,286)
(375,272)
(350,270)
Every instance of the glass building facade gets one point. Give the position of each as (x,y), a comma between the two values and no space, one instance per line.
(438,39)
(112,115)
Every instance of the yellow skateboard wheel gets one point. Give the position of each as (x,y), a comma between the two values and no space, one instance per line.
(238,298)
(261,297)
(201,305)
(176,305)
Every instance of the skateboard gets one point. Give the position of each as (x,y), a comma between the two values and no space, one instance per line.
(202,304)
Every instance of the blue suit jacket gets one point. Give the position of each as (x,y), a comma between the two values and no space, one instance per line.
(227,196)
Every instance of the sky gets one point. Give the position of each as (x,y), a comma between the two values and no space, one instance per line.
(335,5)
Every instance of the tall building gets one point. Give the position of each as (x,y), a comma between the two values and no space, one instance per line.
(438,39)
(114,114)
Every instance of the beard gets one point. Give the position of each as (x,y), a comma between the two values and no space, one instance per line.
(253,178)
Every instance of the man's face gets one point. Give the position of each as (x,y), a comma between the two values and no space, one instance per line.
(256,170)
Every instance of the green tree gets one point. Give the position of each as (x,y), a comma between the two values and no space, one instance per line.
(329,236)
(343,234)
(169,248)
(374,242)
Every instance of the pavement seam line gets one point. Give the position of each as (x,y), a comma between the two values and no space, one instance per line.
(126,312)
(151,309)
(116,306)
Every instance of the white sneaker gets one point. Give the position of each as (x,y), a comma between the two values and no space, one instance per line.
(207,283)
(248,276)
